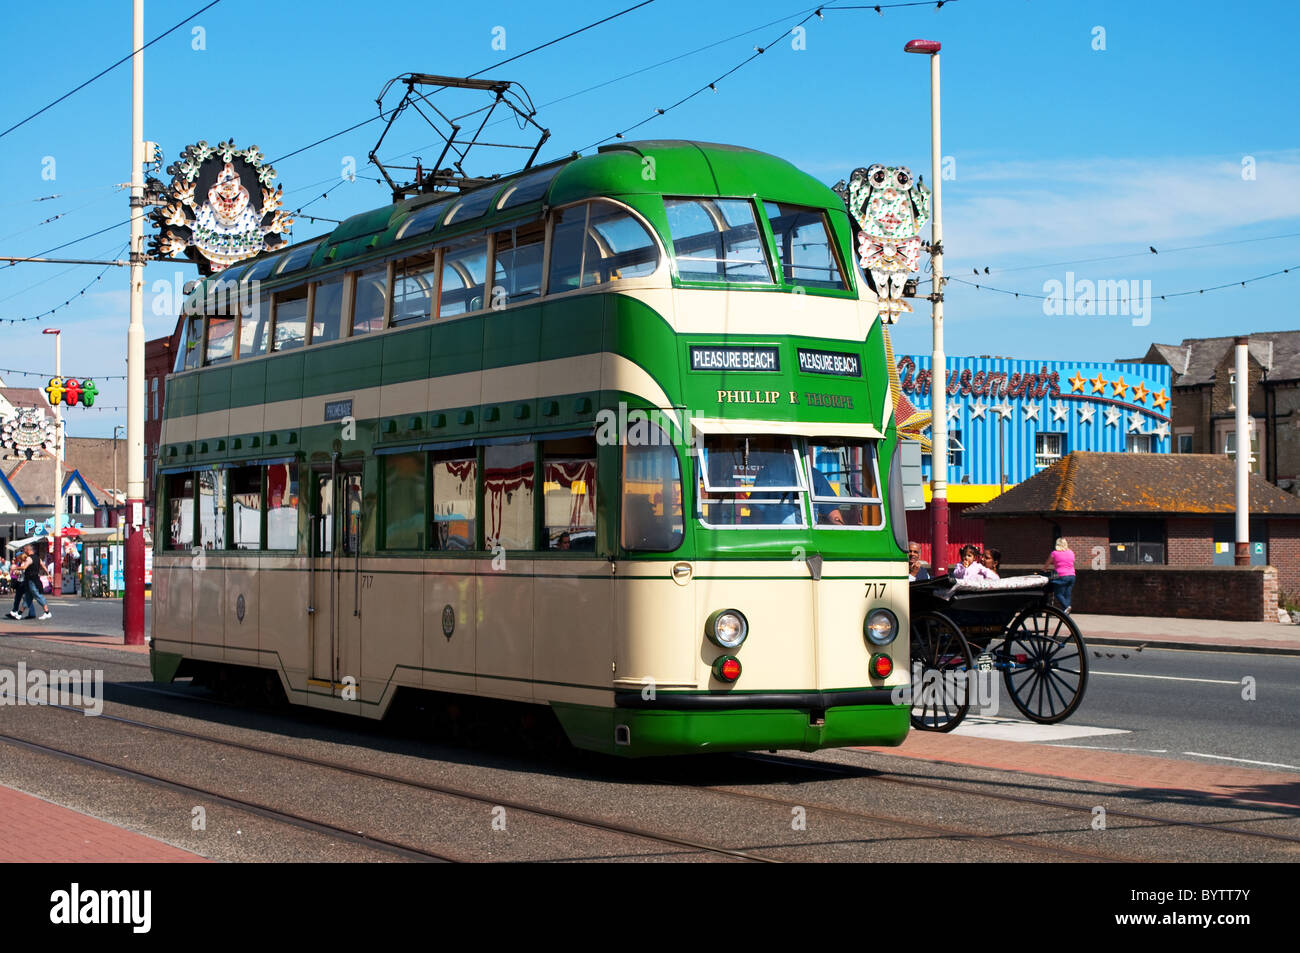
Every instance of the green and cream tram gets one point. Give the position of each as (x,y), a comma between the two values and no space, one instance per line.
(612,435)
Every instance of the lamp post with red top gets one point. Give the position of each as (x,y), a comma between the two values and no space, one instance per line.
(938,368)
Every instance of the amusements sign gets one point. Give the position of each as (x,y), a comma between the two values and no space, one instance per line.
(220,208)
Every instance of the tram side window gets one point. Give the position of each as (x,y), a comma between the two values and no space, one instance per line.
(253,327)
(652,495)
(453,525)
(717,240)
(282,506)
(415,288)
(290,318)
(464,268)
(508,479)
(618,246)
(327,310)
(845,488)
(246,507)
(519,262)
(221,340)
(566,249)
(803,246)
(212,509)
(191,343)
(569,494)
(404,483)
(180,510)
(369,299)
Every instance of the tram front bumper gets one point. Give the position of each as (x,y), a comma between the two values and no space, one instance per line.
(700,722)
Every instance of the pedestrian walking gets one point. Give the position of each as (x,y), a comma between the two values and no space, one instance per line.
(1061,563)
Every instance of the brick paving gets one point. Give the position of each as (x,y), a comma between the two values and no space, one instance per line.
(1127,769)
(33,830)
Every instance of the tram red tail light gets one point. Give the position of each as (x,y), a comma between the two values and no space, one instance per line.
(882,666)
(726,668)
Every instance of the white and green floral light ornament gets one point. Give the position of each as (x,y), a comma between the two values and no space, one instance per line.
(220,208)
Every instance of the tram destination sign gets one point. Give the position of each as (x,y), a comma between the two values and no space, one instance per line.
(338,409)
(710,358)
(839,363)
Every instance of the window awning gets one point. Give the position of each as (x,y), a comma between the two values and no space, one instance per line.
(795,428)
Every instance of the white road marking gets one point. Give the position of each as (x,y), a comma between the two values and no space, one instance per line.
(1170,678)
(1220,757)
(1095,748)
(1011,729)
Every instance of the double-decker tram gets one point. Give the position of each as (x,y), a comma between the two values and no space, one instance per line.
(612,436)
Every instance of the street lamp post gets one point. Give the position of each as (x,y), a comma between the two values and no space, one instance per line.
(57,554)
(133,603)
(938,368)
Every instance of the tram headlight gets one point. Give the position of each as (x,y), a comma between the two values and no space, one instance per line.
(881,627)
(727,628)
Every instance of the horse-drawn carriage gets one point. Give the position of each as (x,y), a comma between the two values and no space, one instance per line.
(962,630)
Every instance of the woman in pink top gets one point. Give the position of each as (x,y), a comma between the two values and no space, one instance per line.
(1061,562)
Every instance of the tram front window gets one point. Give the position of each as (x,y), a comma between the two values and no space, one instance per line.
(750,481)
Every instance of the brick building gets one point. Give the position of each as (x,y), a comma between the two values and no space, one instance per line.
(1143,510)
(1203,372)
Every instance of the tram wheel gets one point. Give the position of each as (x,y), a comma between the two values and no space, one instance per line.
(941,700)
(1046,664)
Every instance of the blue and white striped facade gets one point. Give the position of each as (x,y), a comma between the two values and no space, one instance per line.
(999,408)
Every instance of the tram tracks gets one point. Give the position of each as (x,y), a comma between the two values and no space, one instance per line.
(876,774)
(492,801)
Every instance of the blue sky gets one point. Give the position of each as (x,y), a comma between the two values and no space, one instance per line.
(1061,151)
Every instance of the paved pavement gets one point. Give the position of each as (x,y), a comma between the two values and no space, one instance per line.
(1273,637)
(33,830)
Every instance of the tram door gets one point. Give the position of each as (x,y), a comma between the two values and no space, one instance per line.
(336,546)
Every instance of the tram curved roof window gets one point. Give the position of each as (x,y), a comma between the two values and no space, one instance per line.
(423,221)
(260,269)
(717,240)
(472,205)
(528,188)
(298,259)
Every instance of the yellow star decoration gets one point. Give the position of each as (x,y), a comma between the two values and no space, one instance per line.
(1140,393)
(1077,382)
(1158,399)
(1098,384)
(1121,389)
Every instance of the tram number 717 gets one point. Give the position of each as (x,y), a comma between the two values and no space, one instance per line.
(875,590)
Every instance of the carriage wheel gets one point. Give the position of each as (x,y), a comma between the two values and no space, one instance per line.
(1046,664)
(940,700)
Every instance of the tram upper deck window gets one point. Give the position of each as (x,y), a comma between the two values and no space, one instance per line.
(221,339)
(423,221)
(464,268)
(803,246)
(415,288)
(260,269)
(845,486)
(652,494)
(717,240)
(472,205)
(290,318)
(528,188)
(518,253)
(327,310)
(369,298)
(254,325)
(191,343)
(298,259)
(598,242)
(750,481)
